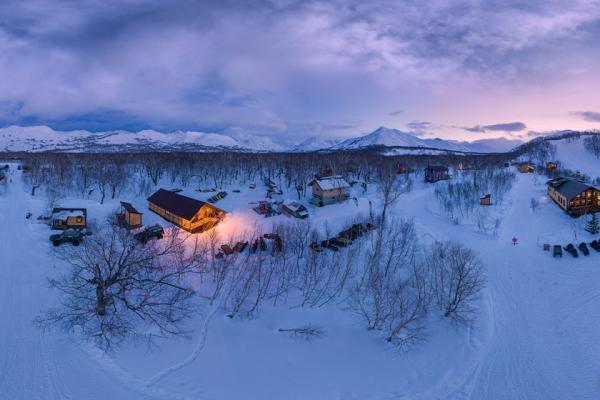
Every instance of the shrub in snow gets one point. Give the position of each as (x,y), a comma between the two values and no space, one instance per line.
(592,225)
(456,279)
(305,332)
(390,292)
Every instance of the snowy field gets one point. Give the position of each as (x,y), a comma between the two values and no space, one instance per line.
(536,336)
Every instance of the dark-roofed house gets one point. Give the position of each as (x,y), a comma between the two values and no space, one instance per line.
(434,173)
(573,196)
(187,213)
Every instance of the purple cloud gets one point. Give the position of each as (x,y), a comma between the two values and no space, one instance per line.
(589,116)
(274,66)
(504,127)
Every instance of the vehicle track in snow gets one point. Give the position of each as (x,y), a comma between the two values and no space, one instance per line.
(38,365)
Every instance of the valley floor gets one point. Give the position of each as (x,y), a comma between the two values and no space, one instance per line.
(536,336)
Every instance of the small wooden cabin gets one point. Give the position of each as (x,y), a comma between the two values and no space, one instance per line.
(486,200)
(129,216)
(69,218)
(189,214)
(551,165)
(526,168)
(329,190)
(573,196)
(434,173)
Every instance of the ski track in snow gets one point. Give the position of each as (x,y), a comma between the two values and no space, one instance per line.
(193,356)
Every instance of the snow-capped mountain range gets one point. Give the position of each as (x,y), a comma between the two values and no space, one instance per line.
(394,138)
(43,138)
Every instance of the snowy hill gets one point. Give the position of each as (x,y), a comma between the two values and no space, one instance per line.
(497,145)
(315,143)
(571,154)
(43,138)
(395,138)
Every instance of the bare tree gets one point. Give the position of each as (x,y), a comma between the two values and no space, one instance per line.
(391,295)
(118,288)
(457,279)
(391,187)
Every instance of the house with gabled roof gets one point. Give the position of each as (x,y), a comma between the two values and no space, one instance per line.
(189,214)
(434,173)
(329,189)
(574,196)
(128,216)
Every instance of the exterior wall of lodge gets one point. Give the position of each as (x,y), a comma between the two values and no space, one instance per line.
(205,219)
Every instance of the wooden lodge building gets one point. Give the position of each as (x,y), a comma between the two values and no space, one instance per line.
(329,190)
(434,173)
(573,196)
(189,214)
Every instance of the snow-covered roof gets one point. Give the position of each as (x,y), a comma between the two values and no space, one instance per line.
(66,213)
(569,188)
(293,205)
(332,182)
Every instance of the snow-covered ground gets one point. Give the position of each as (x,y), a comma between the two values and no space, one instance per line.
(572,155)
(536,335)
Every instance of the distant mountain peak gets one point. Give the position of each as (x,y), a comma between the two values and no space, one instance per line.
(388,137)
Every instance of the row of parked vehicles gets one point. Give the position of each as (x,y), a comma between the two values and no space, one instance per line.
(76,236)
(571,249)
(217,197)
(258,245)
(343,239)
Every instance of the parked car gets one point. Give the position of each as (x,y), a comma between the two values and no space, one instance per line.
(226,249)
(340,242)
(217,197)
(259,245)
(314,246)
(343,241)
(240,246)
(70,236)
(572,250)
(151,232)
(557,251)
(584,249)
(329,244)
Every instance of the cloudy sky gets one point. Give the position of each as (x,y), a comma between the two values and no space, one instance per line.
(464,69)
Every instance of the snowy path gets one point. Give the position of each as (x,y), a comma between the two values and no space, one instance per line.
(536,342)
(33,364)
(532,351)
(529,355)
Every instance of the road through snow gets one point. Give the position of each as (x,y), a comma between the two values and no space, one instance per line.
(538,347)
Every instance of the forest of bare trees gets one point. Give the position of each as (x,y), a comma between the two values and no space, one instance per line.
(116,289)
(106,176)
